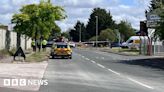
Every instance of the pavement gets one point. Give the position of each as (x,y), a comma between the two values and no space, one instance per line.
(96,71)
(28,71)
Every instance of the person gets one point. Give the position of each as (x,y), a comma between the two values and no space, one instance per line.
(33,45)
(44,44)
(39,45)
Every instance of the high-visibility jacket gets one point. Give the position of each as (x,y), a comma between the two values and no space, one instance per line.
(44,42)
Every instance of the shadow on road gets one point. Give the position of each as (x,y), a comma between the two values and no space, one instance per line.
(153,62)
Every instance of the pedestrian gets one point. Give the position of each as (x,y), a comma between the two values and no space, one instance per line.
(44,44)
(39,44)
(33,45)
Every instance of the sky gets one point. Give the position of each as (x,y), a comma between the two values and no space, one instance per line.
(129,10)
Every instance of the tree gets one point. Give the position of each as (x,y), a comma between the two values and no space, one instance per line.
(104,21)
(125,30)
(92,38)
(74,33)
(37,20)
(66,35)
(156,6)
(55,33)
(160,29)
(107,35)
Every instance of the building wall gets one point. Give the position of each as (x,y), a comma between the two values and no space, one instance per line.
(13,41)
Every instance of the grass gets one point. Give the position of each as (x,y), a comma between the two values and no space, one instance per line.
(37,57)
(125,51)
(4,53)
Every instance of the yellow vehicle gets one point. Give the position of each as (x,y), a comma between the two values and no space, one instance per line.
(61,50)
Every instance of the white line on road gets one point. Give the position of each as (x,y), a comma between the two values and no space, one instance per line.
(103,58)
(101,65)
(93,61)
(87,58)
(82,56)
(142,84)
(114,72)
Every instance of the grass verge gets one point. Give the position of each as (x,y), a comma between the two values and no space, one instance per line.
(37,57)
(122,51)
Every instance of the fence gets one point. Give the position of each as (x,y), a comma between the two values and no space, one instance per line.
(158,48)
(8,40)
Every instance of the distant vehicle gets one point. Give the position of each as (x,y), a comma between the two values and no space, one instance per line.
(115,44)
(50,43)
(72,44)
(134,42)
(61,50)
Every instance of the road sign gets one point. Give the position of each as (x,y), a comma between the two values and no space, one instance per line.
(19,53)
(152,20)
(152,23)
(154,17)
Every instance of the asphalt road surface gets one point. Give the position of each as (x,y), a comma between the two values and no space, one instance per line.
(95,71)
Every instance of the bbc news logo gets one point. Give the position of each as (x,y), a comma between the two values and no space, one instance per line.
(24,82)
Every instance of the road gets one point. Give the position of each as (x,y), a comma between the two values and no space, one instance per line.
(95,71)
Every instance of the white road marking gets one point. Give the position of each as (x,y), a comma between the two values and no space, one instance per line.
(103,58)
(140,83)
(87,58)
(97,52)
(93,61)
(97,57)
(114,72)
(131,79)
(101,65)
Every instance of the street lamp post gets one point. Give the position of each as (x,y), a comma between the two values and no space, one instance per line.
(80,33)
(96,30)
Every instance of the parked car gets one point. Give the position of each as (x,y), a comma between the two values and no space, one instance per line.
(61,50)
(50,43)
(72,44)
(115,44)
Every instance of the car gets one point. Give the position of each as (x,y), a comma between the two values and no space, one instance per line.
(115,44)
(61,50)
(72,44)
(50,43)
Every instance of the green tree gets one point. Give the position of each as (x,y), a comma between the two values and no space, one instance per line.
(160,29)
(74,33)
(104,21)
(107,35)
(155,4)
(125,30)
(66,35)
(36,20)
(92,38)
(55,33)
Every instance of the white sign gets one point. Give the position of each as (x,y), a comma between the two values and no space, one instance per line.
(152,23)
(154,17)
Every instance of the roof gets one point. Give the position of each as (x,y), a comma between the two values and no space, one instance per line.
(60,43)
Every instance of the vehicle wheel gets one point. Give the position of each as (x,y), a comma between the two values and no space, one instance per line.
(52,57)
(70,57)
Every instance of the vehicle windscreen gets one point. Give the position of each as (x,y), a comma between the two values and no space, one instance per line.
(62,46)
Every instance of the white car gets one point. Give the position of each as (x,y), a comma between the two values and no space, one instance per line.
(72,44)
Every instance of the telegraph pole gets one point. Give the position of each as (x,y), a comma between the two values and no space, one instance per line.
(96,31)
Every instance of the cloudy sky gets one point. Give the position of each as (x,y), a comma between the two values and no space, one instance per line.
(130,10)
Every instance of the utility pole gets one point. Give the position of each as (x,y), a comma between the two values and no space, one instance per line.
(80,33)
(96,31)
